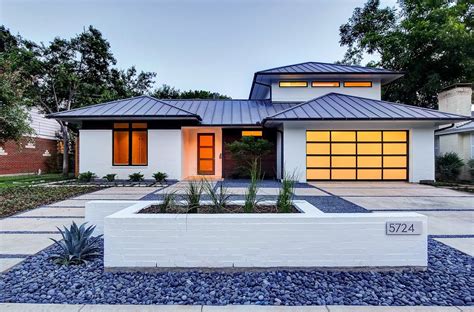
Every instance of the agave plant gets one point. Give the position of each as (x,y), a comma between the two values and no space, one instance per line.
(77,246)
(219,198)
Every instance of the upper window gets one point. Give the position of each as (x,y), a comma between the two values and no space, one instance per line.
(325,84)
(253,133)
(293,84)
(130,144)
(358,84)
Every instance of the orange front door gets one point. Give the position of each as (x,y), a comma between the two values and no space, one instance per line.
(206,151)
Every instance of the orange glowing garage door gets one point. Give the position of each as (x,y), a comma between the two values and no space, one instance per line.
(357,155)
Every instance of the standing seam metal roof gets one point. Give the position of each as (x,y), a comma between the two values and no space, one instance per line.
(320,67)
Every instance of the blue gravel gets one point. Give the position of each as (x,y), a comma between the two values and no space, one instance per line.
(447,281)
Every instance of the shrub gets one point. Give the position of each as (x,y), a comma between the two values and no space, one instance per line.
(448,166)
(77,246)
(169,201)
(286,193)
(220,198)
(160,176)
(136,177)
(247,151)
(251,200)
(86,176)
(470,163)
(110,177)
(193,196)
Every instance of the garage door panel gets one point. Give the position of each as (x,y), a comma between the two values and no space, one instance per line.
(369,174)
(369,136)
(394,136)
(318,161)
(394,174)
(395,161)
(318,136)
(343,148)
(369,148)
(318,174)
(369,161)
(343,174)
(343,161)
(318,148)
(343,136)
(395,148)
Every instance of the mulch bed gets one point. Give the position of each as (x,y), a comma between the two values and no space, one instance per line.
(207,209)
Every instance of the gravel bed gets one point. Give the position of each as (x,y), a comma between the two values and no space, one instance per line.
(447,281)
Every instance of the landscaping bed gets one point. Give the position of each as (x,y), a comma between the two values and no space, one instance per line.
(447,281)
(207,209)
(16,199)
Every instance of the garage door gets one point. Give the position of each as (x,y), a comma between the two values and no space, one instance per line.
(356,155)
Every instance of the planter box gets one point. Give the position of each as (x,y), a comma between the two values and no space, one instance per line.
(297,240)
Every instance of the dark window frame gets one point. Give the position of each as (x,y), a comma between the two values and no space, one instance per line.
(130,148)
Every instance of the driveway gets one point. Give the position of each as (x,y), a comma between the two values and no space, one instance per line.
(450,213)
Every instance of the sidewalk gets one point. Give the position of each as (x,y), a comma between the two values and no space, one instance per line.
(15,307)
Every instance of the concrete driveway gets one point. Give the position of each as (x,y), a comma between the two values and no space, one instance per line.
(450,213)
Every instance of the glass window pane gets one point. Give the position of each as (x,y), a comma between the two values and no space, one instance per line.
(395,161)
(289,84)
(369,148)
(394,136)
(343,148)
(317,148)
(395,148)
(369,136)
(318,174)
(343,161)
(121,147)
(206,152)
(343,174)
(139,125)
(369,161)
(139,152)
(320,136)
(121,125)
(317,161)
(343,136)
(369,174)
(206,165)
(327,84)
(357,84)
(254,133)
(206,140)
(394,174)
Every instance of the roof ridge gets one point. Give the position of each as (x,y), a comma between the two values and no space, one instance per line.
(323,63)
(178,108)
(298,105)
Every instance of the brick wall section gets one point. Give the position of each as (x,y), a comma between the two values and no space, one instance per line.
(27,158)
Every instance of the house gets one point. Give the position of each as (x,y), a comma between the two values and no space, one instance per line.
(327,122)
(32,154)
(458,137)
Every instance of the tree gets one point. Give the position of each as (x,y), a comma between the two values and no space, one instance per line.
(432,41)
(168,92)
(249,151)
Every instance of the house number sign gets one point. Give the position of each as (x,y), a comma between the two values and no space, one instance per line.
(404,228)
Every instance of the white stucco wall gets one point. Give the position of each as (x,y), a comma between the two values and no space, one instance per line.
(421,144)
(164,154)
(305,94)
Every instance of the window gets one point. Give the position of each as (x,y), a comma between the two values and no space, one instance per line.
(253,133)
(130,144)
(293,84)
(325,84)
(357,84)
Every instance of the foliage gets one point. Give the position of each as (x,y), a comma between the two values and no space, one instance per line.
(286,193)
(470,163)
(26,180)
(77,246)
(219,198)
(19,198)
(251,200)
(160,176)
(432,41)
(86,176)
(169,201)
(448,166)
(136,177)
(110,177)
(248,151)
(168,92)
(193,195)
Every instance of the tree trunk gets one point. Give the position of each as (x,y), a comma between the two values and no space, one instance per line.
(65,150)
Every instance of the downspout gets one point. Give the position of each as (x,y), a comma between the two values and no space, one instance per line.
(281,162)
(445,128)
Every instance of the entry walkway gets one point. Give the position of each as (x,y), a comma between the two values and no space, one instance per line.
(29,232)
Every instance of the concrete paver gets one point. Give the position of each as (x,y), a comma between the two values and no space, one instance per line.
(141,308)
(405,192)
(36,224)
(450,222)
(7,263)
(465,245)
(89,197)
(25,307)
(25,244)
(391,309)
(53,212)
(309,192)
(417,203)
(70,203)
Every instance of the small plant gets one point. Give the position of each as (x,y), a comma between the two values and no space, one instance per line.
(193,196)
(77,245)
(251,200)
(220,198)
(110,177)
(448,166)
(286,193)
(86,176)
(169,201)
(160,176)
(136,177)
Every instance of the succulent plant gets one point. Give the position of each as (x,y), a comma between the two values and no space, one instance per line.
(160,176)
(110,177)
(86,176)
(136,177)
(77,246)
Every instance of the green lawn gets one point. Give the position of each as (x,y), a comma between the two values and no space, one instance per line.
(25,180)
(15,199)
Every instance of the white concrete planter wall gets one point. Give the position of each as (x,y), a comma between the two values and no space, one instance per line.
(309,239)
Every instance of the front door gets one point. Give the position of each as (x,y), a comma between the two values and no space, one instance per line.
(206,152)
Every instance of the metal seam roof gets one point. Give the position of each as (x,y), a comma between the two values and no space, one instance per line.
(321,67)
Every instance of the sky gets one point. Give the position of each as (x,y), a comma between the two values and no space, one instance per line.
(214,45)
